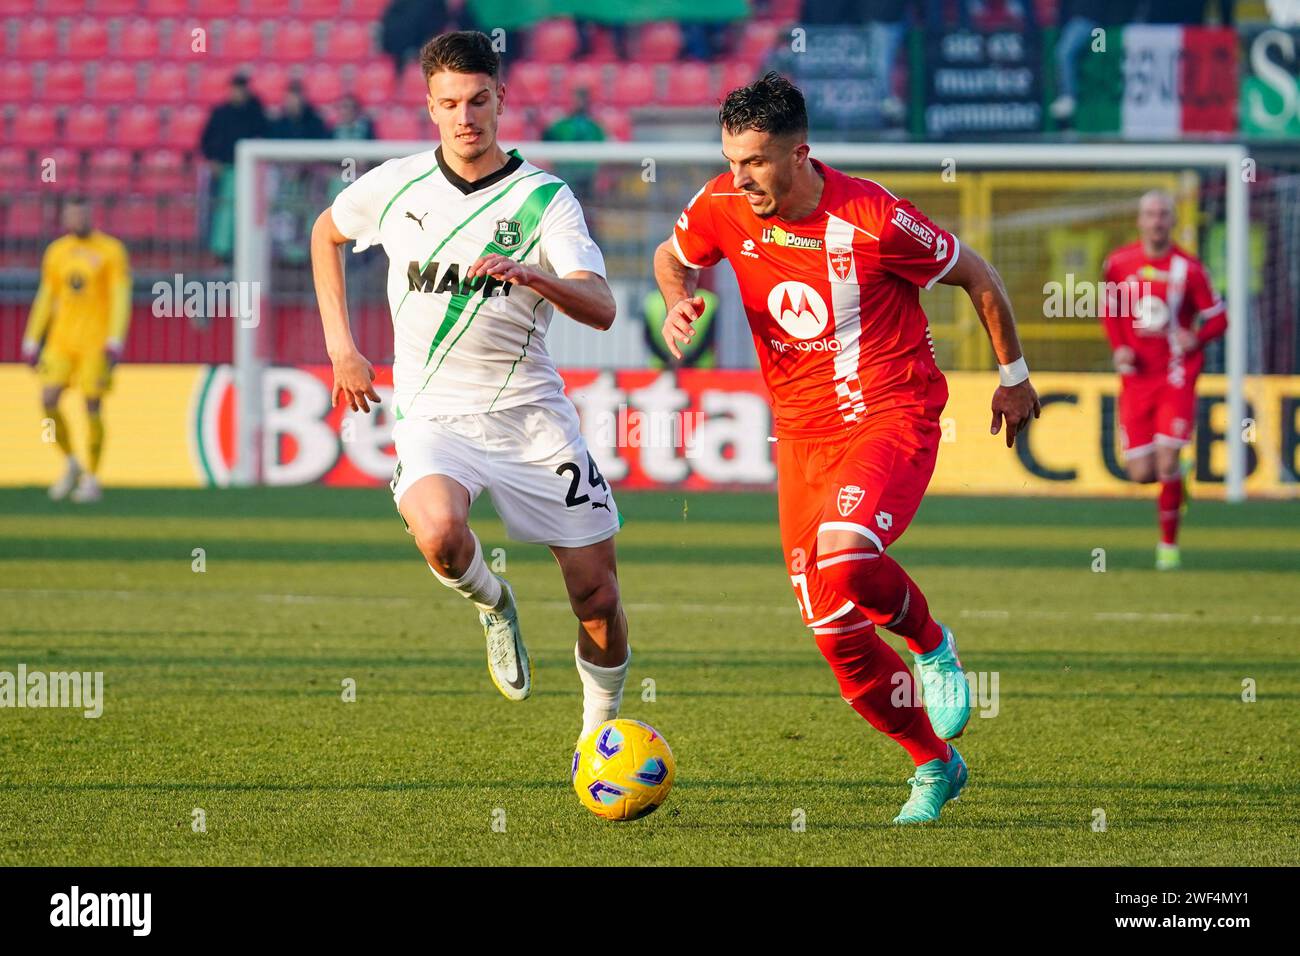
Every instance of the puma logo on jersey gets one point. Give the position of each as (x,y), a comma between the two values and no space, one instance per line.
(433,278)
(601,504)
(419,222)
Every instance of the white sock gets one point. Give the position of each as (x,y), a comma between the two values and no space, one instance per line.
(602,690)
(478,584)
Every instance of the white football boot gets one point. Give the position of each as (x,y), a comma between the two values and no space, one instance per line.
(87,490)
(60,489)
(508,662)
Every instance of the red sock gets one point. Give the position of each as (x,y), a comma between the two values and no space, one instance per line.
(1170,504)
(879,585)
(877,684)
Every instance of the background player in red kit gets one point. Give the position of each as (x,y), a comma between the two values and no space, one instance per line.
(829,267)
(1156,296)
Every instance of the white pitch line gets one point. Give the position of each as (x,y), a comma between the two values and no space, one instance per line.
(994,614)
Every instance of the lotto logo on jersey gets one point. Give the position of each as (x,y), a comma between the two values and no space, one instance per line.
(918,230)
(429,278)
(799,309)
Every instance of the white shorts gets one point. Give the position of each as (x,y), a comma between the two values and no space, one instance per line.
(531,459)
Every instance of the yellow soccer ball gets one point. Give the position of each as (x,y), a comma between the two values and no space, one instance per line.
(623,770)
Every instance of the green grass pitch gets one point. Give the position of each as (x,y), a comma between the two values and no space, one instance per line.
(1119,692)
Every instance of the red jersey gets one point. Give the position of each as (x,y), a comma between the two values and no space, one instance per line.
(1146,300)
(832,299)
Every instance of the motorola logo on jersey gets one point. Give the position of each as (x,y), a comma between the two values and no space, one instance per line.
(799,309)
(429,279)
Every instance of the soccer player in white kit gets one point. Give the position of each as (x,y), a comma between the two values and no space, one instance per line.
(483,247)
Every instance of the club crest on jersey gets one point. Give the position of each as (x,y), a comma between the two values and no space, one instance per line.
(841,259)
(799,309)
(849,498)
(508,234)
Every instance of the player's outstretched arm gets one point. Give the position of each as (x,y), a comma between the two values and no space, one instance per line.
(677,285)
(1015,400)
(353,376)
(583,296)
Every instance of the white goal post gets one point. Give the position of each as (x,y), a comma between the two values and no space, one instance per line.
(252,243)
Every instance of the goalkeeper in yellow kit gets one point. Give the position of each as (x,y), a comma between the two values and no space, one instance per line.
(75,334)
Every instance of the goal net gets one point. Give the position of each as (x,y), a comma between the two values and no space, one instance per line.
(1044,215)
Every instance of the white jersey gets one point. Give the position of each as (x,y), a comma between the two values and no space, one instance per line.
(466,346)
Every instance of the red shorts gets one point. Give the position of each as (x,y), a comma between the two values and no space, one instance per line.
(869,480)
(1153,412)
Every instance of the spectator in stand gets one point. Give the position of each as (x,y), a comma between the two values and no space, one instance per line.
(575,127)
(297,118)
(240,117)
(889,17)
(1079,18)
(352,123)
(407,24)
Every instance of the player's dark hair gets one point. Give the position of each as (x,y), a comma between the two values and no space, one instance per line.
(771,104)
(462,51)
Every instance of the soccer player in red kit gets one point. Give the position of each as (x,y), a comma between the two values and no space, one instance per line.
(829,268)
(1160,310)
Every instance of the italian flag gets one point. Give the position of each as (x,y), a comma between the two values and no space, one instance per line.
(1154,81)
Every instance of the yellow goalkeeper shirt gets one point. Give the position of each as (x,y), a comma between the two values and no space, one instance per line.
(84,299)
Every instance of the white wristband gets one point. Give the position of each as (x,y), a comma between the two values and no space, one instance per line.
(1015,373)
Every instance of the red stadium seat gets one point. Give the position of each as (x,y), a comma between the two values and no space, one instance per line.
(615,122)
(349,42)
(137,127)
(658,42)
(166,83)
(220,8)
(634,85)
(601,47)
(185,126)
(63,8)
(15,167)
(553,41)
(212,85)
(165,171)
(402,122)
(689,84)
(64,83)
(293,41)
(323,9)
(65,166)
(367,9)
(17,8)
(735,74)
(242,40)
(134,218)
(323,85)
(756,40)
(529,82)
(270,83)
(182,220)
(592,77)
(171,8)
(374,83)
(34,40)
(86,126)
(515,128)
(26,219)
(109,171)
(114,83)
(116,8)
(34,126)
(88,40)
(15,82)
(138,40)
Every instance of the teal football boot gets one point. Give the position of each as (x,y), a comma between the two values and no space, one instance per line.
(935,783)
(944,688)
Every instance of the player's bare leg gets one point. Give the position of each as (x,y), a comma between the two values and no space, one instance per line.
(72,469)
(436,511)
(601,654)
(854,566)
(88,490)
